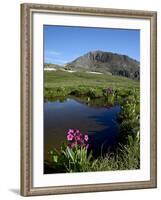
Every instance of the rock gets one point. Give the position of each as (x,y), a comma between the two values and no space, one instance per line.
(100,61)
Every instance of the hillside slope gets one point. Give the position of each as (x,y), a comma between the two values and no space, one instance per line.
(100,61)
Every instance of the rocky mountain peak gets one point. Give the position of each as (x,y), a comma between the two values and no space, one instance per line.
(101,61)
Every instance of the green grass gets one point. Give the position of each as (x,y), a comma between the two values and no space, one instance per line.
(126,157)
(65,79)
(60,83)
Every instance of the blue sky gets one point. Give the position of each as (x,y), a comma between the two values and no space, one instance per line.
(63,44)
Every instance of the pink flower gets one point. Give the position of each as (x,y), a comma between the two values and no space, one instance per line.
(70,131)
(86,138)
(70,137)
(77,138)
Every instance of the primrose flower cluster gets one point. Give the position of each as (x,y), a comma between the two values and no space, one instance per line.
(109,90)
(76,139)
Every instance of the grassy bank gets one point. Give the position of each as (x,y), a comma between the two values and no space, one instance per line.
(126,157)
(53,79)
(60,83)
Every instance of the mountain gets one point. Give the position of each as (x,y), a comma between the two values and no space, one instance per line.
(51,65)
(106,62)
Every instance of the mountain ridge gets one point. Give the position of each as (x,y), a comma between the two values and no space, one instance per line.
(101,61)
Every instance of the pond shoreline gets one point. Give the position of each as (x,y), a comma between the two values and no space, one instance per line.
(98,121)
(127,103)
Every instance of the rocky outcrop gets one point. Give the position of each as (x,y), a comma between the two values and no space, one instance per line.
(100,61)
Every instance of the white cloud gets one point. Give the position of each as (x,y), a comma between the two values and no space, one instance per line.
(54,53)
(55,60)
(61,61)
(54,57)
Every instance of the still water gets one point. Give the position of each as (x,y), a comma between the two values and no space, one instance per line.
(99,121)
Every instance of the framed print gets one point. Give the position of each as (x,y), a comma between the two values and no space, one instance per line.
(88,99)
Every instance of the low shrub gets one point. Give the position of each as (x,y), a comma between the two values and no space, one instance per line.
(129,118)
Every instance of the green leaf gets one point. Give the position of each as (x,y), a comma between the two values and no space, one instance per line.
(55,158)
(71,153)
